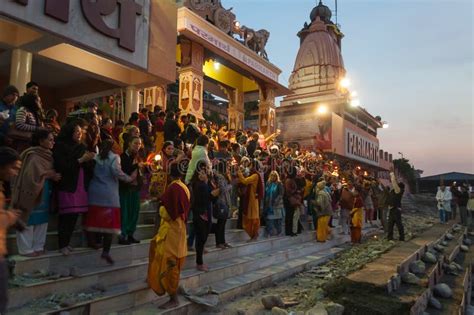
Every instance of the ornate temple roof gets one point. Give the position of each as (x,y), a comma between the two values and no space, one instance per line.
(319,62)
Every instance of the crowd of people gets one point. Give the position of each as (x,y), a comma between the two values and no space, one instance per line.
(199,173)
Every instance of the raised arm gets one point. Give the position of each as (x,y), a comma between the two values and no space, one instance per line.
(252,179)
(393,179)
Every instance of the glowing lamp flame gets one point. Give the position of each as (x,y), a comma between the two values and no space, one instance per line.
(157,157)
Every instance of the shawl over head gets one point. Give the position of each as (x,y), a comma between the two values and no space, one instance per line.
(28,185)
(176,200)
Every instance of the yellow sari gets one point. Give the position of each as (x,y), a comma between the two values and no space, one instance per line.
(168,251)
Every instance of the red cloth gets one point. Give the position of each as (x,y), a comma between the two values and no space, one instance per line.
(358,202)
(176,201)
(260,189)
(103,219)
(159,125)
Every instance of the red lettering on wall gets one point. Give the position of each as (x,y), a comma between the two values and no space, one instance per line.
(58,9)
(125,33)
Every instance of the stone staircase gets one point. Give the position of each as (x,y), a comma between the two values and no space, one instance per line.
(97,288)
(389,274)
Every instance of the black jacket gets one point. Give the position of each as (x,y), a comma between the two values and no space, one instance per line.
(171,130)
(129,165)
(65,155)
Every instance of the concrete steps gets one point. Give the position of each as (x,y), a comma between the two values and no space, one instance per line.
(385,273)
(131,265)
(242,284)
(78,239)
(259,263)
(461,284)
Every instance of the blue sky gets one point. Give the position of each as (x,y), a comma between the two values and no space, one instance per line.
(411,62)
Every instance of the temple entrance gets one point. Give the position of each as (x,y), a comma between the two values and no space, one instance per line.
(211,59)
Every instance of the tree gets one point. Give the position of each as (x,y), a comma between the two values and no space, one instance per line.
(407,171)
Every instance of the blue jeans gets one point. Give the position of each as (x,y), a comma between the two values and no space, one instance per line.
(442,215)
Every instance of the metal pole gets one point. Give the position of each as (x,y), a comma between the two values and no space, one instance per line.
(336,10)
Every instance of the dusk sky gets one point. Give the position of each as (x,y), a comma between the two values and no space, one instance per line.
(411,62)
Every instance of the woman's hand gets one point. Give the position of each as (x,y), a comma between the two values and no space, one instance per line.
(86,157)
(56,177)
(215,192)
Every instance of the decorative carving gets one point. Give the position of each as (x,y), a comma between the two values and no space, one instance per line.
(197,95)
(184,91)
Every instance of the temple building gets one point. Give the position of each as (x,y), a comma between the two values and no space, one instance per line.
(320,114)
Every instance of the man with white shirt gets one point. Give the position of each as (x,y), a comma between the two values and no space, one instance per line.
(443,197)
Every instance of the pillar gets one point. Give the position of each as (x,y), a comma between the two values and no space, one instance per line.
(191,78)
(20,69)
(235,111)
(131,101)
(266,111)
(155,96)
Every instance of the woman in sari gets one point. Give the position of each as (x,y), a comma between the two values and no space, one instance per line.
(251,201)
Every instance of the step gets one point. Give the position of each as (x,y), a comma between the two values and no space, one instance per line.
(127,293)
(54,259)
(460,284)
(435,273)
(240,285)
(88,258)
(137,265)
(144,231)
(148,210)
(78,238)
(397,260)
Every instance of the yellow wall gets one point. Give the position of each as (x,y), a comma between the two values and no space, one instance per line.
(224,75)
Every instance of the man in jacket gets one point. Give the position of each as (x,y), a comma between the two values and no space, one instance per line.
(171,128)
(395,208)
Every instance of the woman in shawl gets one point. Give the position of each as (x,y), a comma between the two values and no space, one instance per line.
(75,164)
(32,193)
(104,201)
(273,206)
(251,201)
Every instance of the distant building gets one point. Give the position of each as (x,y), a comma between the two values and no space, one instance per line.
(429,184)
(322,113)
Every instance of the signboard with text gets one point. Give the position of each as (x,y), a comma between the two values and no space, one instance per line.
(116,28)
(361,148)
(226,44)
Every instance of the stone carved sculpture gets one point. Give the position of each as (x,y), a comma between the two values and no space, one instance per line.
(214,12)
(225,20)
(255,40)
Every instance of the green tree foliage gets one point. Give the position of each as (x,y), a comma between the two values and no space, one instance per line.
(406,170)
